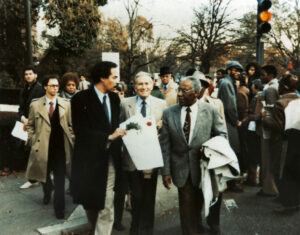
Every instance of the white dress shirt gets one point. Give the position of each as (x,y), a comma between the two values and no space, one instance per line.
(139,105)
(48,103)
(100,96)
(193,114)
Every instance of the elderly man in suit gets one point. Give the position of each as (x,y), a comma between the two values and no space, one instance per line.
(51,138)
(142,184)
(96,159)
(186,126)
(168,86)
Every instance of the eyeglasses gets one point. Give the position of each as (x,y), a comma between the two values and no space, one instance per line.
(53,86)
(184,91)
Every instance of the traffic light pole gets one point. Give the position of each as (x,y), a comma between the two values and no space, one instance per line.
(28,32)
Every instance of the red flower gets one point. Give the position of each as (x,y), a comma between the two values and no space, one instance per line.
(149,123)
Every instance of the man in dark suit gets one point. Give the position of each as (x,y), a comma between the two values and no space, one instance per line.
(96,160)
(32,90)
(186,126)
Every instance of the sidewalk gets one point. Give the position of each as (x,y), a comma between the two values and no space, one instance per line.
(22,210)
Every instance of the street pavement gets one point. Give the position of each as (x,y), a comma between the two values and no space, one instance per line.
(22,212)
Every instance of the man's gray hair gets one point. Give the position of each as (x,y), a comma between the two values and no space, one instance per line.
(195,83)
(142,74)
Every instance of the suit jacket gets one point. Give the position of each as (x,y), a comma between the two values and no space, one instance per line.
(128,109)
(39,129)
(181,158)
(171,93)
(36,91)
(91,155)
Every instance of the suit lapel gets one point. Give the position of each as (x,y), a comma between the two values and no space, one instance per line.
(132,107)
(62,108)
(199,120)
(154,110)
(177,121)
(43,109)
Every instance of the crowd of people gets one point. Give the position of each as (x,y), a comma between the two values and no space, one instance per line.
(73,130)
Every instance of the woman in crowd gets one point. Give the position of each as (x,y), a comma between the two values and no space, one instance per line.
(69,85)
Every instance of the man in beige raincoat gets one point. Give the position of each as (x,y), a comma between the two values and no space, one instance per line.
(51,137)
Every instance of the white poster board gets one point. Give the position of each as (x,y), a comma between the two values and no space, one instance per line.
(143,145)
(292,115)
(113,57)
(18,131)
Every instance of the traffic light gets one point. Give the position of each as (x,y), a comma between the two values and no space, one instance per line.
(263,16)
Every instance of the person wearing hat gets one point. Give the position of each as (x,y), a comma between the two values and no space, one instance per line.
(168,86)
(227,94)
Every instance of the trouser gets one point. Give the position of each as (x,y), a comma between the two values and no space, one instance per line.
(268,182)
(105,217)
(121,190)
(143,193)
(57,165)
(190,206)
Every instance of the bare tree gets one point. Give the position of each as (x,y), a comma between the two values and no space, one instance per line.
(208,36)
(285,34)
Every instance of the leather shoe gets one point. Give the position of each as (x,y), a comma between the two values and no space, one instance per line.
(59,214)
(263,194)
(46,199)
(286,209)
(215,229)
(118,227)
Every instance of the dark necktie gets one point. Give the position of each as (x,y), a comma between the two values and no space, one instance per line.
(105,107)
(187,124)
(51,109)
(143,110)
(165,87)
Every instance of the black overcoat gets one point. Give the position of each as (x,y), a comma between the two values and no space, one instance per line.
(90,159)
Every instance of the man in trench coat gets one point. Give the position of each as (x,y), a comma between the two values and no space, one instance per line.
(51,137)
(96,160)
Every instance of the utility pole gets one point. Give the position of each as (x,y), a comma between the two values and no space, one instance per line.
(29,59)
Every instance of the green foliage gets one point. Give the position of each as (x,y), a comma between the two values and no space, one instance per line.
(77,22)
(12,36)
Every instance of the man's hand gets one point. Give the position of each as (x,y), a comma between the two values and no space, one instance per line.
(239,123)
(167,181)
(118,133)
(25,122)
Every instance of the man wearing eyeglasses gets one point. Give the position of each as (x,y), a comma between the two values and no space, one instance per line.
(186,126)
(51,138)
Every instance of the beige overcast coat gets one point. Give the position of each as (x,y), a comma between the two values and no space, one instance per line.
(170,93)
(39,130)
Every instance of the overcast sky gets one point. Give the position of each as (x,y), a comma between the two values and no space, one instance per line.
(168,14)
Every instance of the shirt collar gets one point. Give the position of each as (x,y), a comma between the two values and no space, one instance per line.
(192,107)
(139,100)
(48,100)
(100,94)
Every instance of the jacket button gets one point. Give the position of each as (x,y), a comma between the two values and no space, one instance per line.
(37,150)
(38,140)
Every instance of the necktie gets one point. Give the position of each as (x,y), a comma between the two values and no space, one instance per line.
(82,87)
(165,87)
(106,108)
(143,110)
(187,124)
(51,109)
